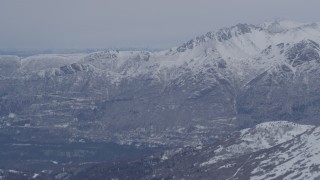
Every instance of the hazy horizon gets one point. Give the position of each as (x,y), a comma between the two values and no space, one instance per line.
(154,24)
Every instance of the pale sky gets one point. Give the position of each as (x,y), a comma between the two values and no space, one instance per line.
(43,24)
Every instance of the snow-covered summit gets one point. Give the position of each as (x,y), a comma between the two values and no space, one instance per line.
(253,38)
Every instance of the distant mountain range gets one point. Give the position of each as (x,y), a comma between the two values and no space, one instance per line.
(31,52)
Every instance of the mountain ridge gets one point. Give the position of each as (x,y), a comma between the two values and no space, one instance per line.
(229,79)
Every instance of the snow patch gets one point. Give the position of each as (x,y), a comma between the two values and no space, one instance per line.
(12,115)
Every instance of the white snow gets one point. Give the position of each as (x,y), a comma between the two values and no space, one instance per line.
(227,166)
(262,136)
(64,125)
(300,158)
(12,115)
(35,175)
(268,134)
(14,171)
(54,162)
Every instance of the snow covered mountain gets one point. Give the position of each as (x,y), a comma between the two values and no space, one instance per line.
(200,95)
(224,80)
(272,150)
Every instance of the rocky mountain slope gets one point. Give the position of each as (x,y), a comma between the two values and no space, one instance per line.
(272,150)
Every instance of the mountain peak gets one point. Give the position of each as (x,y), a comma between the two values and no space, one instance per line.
(280,25)
(276,27)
